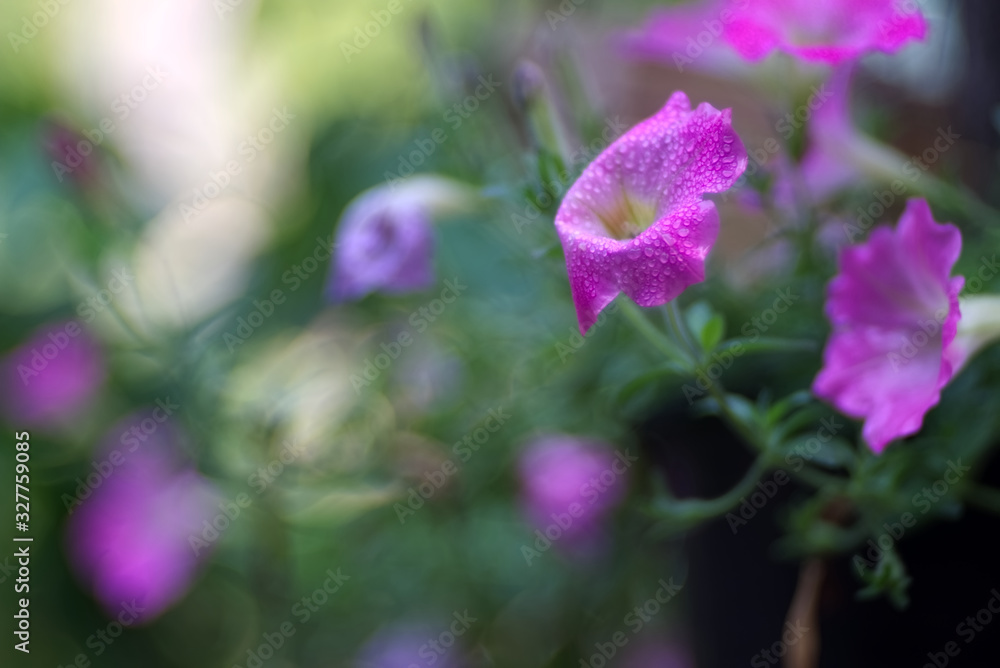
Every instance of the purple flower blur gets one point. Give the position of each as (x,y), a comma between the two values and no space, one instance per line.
(636,221)
(687,35)
(63,146)
(894,310)
(826,167)
(52,376)
(564,476)
(129,536)
(403,646)
(384,240)
(824,31)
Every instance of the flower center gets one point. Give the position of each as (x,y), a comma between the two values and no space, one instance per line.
(628,218)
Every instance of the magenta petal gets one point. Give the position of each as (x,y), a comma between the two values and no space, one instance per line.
(894,310)
(130,534)
(52,376)
(559,471)
(636,221)
(827,31)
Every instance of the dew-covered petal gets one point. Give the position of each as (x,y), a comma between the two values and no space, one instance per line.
(636,221)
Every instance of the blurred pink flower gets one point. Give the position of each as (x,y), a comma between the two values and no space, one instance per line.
(129,539)
(688,35)
(384,240)
(405,646)
(825,168)
(568,480)
(52,376)
(826,31)
(894,310)
(636,221)
(388,249)
(64,148)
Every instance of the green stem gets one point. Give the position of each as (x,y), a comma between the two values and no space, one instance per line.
(750,433)
(696,510)
(678,326)
(660,342)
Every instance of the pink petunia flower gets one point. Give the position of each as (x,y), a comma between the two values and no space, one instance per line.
(704,34)
(52,377)
(894,310)
(130,535)
(572,483)
(688,35)
(825,31)
(636,220)
(384,240)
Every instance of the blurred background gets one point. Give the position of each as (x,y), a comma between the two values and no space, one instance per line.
(235,460)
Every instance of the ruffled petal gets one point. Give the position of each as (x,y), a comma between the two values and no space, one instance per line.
(894,309)
(635,220)
(827,31)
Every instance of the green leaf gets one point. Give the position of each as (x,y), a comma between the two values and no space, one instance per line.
(697,315)
(834,453)
(743,408)
(712,333)
(630,389)
(784,406)
(889,578)
(707,326)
